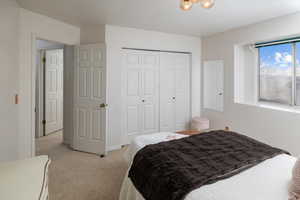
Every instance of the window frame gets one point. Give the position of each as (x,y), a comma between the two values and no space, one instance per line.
(294,70)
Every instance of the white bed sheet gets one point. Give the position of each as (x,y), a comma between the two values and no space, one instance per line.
(25,179)
(268,180)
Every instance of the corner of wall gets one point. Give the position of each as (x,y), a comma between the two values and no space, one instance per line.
(91,34)
(32,26)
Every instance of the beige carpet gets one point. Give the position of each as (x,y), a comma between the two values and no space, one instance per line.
(81,176)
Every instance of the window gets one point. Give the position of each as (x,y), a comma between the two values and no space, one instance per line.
(279,72)
(297,73)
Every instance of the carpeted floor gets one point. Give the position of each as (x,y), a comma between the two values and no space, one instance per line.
(81,176)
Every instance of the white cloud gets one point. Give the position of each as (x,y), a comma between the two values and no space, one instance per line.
(288,58)
(278,57)
(264,64)
(283,58)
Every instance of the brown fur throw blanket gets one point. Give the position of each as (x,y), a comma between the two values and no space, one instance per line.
(170,170)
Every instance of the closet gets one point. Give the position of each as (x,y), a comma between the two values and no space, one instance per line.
(174,91)
(213,85)
(156,92)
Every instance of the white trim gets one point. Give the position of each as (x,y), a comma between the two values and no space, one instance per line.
(73,140)
(123,97)
(33,95)
(113,148)
(123,70)
(34,37)
(40,109)
(294,75)
(283,41)
(32,26)
(143,39)
(107,124)
(273,106)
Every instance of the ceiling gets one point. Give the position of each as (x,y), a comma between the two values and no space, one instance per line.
(163,15)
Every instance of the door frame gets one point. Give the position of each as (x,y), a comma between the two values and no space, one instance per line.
(34,38)
(40,97)
(123,79)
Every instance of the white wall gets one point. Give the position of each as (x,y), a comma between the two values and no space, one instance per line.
(118,37)
(34,26)
(44,44)
(91,34)
(68,94)
(278,128)
(245,74)
(9,17)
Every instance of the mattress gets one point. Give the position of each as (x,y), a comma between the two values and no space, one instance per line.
(25,179)
(267,180)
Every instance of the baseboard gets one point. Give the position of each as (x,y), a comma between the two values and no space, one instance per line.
(66,142)
(113,147)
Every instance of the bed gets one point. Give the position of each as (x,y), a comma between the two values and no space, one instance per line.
(268,180)
(25,179)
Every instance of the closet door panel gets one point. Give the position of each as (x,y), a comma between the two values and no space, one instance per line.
(150,92)
(132,88)
(149,118)
(132,119)
(174,91)
(140,93)
(133,76)
(181,113)
(167,116)
(167,92)
(149,82)
(182,95)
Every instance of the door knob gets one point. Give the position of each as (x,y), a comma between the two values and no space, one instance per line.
(103,105)
(174,98)
(143,100)
(220,93)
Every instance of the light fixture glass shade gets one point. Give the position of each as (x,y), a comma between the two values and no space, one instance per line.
(207,3)
(186,4)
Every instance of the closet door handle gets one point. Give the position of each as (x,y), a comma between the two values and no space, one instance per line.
(143,100)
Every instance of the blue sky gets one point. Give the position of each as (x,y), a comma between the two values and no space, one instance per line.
(279,56)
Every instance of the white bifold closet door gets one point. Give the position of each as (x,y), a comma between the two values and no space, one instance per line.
(141,93)
(156,92)
(174,91)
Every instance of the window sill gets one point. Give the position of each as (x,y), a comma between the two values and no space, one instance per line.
(274,106)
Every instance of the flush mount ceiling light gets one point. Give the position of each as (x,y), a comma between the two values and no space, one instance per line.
(187,4)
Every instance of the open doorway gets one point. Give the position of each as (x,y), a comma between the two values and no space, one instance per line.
(49,95)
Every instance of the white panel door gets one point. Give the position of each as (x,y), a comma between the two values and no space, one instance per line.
(182,91)
(220,86)
(150,92)
(133,90)
(167,92)
(90,112)
(174,91)
(54,90)
(140,93)
(213,85)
